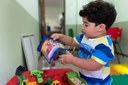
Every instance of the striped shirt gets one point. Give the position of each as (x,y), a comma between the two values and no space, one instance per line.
(99,49)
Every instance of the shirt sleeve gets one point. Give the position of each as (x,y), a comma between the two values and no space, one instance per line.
(102,54)
(78,38)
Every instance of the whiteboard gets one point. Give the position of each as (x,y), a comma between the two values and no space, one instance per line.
(30,51)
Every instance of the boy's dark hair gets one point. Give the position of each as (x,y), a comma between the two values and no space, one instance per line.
(99,12)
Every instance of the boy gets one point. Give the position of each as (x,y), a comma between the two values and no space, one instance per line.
(95,47)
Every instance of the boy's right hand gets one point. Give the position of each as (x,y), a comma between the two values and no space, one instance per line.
(56,36)
(66,58)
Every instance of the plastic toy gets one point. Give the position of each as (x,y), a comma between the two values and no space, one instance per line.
(48,82)
(21,79)
(26,82)
(38,74)
(39,78)
(52,82)
(18,73)
(75,79)
(20,70)
(51,48)
(56,82)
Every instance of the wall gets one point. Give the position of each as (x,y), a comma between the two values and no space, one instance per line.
(14,22)
(72,15)
(28,6)
(121,7)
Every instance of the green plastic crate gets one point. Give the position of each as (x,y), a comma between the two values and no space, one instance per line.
(71,75)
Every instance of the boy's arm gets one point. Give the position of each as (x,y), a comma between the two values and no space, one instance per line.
(65,39)
(68,40)
(88,64)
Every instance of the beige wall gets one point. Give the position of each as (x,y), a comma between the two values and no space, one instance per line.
(14,22)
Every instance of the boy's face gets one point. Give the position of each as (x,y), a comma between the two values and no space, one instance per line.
(89,29)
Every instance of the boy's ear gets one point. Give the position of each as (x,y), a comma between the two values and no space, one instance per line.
(102,27)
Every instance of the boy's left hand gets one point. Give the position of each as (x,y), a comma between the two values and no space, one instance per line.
(66,58)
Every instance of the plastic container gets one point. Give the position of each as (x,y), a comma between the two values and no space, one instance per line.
(71,75)
(51,49)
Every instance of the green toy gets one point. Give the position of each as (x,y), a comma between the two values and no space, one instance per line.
(48,82)
(38,74)
(21,78)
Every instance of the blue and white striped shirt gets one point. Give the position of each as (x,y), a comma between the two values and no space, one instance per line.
(99,49)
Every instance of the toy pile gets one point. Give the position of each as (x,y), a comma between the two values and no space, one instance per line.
(60,76)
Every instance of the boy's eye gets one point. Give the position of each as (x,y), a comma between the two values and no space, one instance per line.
(85,25)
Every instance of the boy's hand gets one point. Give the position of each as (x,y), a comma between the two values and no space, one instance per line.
(56,36)
(66,58)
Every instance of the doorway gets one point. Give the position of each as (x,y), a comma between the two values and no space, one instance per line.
(51,16)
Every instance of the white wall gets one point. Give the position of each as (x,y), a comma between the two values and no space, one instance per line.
(80,5)
(71,12)
(121,7)
(31,6)
(14,22)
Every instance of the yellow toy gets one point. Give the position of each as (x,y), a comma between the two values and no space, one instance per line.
(56,82)
(26,82)
(119,69)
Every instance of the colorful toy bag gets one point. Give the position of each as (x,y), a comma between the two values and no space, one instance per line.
(50,48)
